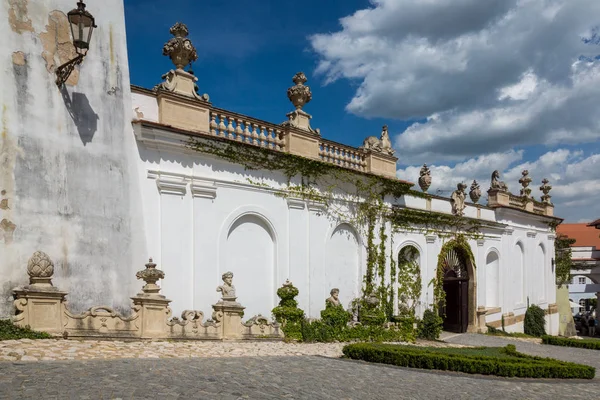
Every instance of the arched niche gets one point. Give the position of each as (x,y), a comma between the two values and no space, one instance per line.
(518,281)
(249,252)
(540,259)
(342,263)
(409,273)
(492,279)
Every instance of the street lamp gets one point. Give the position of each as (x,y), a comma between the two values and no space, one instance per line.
(82,25)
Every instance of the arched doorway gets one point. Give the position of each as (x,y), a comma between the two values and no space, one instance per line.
(459,289)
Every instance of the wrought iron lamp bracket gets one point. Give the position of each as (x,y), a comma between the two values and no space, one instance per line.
(64,71)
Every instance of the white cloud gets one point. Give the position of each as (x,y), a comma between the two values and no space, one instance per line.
(493,74)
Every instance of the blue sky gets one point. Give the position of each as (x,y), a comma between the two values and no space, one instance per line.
(247,59)
(500,84)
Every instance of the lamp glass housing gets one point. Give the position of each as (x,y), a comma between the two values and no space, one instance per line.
(82,27)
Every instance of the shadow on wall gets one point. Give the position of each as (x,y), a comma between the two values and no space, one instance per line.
(82,113)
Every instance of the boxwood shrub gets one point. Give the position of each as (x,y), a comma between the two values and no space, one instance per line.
(593,344)
(9,331)
(487,361)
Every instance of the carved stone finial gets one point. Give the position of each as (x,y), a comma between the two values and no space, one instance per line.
(525,181)
(496,183)
(227,289)
(475,192)
(299,94)
(40,269)
(545,188)
(180,49)
(425,178)
(150,275)
(458,199)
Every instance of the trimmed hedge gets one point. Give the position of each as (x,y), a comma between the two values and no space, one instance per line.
(501,361)
(592,344)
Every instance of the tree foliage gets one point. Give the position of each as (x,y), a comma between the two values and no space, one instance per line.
(563,261)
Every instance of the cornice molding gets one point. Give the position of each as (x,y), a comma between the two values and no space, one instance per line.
(430,238)
(203,189)
(295,203)
(171,186)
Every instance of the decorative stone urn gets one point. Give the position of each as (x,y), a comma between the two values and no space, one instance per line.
(425,178)
(40,269)
(545,188)
(299,94)
(475,192)
(150,275)
(180,49)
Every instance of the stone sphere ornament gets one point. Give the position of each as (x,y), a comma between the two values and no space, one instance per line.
(40,265)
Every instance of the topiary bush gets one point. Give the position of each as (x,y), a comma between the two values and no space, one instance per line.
(487,361)
(535,321)
(10,331)
(335,316)
(430,327)
(287,312)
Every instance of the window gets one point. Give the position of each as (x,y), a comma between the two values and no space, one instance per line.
(582,280)
(582,304)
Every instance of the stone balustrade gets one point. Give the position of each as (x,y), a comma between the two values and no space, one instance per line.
(43,307)
(344,156)
(237,127)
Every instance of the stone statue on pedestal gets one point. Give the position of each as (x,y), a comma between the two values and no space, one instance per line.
(227,289)
(333,300)
(458,199)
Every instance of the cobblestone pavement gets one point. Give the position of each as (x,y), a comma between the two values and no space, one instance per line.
(300,377)
(581,356)
(222,370)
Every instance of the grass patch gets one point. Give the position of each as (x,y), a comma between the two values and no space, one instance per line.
(9,331)
(498,361)
(592,344)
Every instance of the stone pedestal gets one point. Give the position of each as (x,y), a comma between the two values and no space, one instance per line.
(302,142)
(381,164)
(153,311)
(40,308)
(228,313)
(481,313)
(498,197)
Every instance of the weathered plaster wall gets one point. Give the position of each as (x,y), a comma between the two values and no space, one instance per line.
(67,156)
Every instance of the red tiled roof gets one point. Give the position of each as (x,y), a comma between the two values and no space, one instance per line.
(584,234)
